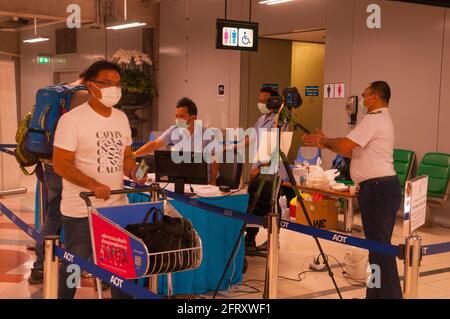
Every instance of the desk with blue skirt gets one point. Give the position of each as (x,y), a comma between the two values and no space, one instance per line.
(218,234)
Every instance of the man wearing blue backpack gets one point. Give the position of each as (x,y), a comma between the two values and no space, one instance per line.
(53,183)
(92,152)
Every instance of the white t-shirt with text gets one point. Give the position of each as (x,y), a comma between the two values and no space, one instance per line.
(99,145)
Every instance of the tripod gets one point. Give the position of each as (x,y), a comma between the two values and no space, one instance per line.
(272,221)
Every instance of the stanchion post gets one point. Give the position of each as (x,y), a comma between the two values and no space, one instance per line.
(169,285)
(153,284)
(41,204)
(272,256)
(11,192)
(51,263)
(413,256)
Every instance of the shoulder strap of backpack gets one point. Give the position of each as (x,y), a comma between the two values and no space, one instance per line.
(70,92)
(24,170)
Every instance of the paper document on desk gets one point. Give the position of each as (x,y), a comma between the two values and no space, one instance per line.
(206,190)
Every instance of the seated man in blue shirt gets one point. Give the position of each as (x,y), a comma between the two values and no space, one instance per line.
(185,116)
(262,207)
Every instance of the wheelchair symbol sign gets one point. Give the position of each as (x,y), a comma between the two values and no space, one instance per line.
(246,38)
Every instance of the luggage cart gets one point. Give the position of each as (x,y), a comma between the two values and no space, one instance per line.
(124,254)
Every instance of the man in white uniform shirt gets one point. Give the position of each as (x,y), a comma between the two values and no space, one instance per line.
(370,146)
(92,152)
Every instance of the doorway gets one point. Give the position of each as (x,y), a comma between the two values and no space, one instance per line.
(286,60)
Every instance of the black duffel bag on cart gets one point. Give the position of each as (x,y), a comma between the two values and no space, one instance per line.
(172,242)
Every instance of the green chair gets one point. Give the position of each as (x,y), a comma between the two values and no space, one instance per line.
(403,165)
(437,167)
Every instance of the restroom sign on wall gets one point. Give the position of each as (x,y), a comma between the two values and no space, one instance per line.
(237,35)
(334,91)
(339,91)
(329,91)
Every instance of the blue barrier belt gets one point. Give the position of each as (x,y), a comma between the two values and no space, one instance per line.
(343,239)
(116,281)
(435,249)
(251,219)
(336,237)
(21,224)
(5,150)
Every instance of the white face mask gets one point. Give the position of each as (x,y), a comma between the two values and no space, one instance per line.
(110,96)
(180,123)
(263,108)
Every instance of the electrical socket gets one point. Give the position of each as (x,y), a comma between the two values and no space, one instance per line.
(317,266)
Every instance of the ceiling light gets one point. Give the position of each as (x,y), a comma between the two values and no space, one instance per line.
(127,26)
(36,40)
(272,2)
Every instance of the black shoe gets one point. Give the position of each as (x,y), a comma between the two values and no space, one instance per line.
(105,286)
(250,246)
(262,247)
(244,269)
(85,274)
(36,277)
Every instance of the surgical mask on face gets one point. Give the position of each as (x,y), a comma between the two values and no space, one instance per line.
(110,96)
(362,107)
(180,123)
(263,108)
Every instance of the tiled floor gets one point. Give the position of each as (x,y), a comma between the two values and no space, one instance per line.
(296,252)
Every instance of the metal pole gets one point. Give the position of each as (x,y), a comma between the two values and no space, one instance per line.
(348,215)
(51,263)
(413,256)
(169,285)
(153,284)
(98,283)
(13,191)
(272,257)
(41,205)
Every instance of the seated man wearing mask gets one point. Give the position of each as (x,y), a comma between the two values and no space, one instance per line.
(262,207)
(185,117)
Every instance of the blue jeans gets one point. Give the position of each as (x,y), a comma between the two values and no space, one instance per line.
(52,219)
(77,241)
(379,203)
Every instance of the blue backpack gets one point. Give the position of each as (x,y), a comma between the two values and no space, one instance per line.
(51,103)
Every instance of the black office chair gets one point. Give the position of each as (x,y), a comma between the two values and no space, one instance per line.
(230,173)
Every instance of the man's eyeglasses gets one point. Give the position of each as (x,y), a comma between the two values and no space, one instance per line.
(109,83)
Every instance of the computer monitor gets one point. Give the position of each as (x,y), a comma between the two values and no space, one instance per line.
(183,173)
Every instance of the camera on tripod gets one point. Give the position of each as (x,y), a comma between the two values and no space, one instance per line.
(290,97)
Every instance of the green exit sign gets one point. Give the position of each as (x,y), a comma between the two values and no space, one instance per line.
(43,60)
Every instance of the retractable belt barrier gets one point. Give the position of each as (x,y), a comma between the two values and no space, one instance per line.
(251,219)
(116,281)
(4,148)
(435,249)
(311,231)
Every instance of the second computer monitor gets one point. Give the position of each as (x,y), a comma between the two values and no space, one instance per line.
(193,171)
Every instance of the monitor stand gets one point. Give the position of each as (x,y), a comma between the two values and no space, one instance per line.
(179,186)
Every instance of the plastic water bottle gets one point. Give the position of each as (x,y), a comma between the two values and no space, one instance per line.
(285,212)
